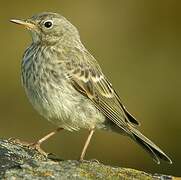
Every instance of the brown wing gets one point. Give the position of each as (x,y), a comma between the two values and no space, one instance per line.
(87,78)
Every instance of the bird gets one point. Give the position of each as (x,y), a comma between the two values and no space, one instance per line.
(67,86)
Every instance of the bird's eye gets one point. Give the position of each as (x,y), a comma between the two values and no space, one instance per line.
(48,24)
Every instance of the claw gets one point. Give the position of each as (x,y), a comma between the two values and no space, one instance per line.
(37,147)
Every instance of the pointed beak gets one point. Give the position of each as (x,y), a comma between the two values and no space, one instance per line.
(26,24)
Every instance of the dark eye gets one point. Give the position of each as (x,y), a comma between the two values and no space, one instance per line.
(48,24)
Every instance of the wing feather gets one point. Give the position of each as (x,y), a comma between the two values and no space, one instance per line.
(86,76)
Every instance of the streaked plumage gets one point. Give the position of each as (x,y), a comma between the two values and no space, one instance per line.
(66,85)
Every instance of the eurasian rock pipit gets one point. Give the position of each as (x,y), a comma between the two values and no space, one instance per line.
(66,85)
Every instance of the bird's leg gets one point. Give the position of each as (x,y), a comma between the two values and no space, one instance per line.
(36,145)
(86,145)
(48,136)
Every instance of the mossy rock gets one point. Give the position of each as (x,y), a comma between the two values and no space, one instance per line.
(17,161)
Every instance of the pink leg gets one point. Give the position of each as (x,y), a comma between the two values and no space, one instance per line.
(37,144)
(86,145)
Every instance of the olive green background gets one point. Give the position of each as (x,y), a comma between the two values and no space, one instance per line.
(137,43)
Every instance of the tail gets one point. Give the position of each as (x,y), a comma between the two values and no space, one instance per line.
(155,152)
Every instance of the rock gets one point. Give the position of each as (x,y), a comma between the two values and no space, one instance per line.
(17,161)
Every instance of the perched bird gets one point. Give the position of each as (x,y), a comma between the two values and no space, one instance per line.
(66,85)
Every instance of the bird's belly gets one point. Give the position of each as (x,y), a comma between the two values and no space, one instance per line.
(65,107)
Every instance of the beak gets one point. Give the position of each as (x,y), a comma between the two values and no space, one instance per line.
(26,24)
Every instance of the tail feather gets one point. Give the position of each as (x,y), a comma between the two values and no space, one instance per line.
(155,152)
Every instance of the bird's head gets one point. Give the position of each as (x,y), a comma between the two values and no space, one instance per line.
(49,28)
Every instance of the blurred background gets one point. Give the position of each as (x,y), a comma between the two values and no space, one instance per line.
(138,45)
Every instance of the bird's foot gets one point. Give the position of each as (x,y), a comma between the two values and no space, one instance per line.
(88,161)
(35,145)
